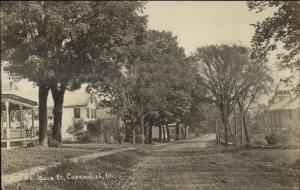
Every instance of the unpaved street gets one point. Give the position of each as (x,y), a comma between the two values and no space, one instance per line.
(192,165)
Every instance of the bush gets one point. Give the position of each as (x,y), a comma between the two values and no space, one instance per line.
(277,138)
(84,137)
(76,128)
(259,142)
(138,138)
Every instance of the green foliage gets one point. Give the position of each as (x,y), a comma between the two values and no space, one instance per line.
(158,81)
(259,141)
(76,128)
(67,41)
(110,131)
(281,28)
(139,138)
(231,77)
(84,137)
(277,138)
(62,44)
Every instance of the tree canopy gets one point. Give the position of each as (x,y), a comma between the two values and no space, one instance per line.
(281,29)
(231,77)
(61,44)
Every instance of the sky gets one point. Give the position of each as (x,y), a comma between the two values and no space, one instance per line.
(202,23)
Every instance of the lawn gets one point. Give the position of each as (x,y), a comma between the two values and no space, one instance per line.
(283,158)
(109,172)
(288,158)
(14,160)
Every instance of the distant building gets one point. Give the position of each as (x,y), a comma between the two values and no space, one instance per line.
(172,130)
(284,109)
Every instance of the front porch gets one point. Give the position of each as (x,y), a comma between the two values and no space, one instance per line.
(17,121)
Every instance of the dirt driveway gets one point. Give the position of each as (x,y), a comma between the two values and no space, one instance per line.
(191,165)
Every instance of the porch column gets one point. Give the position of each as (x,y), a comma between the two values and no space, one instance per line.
(32,120)
(21,116)
(8,124)
(21,122)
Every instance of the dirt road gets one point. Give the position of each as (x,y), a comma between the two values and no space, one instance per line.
(191,164)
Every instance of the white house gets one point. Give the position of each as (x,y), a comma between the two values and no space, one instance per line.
(284,109)
(78,105)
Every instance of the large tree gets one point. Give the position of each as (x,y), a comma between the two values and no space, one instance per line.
(281,29)
(154,64)
(59,45)
(231,77)
(253,81)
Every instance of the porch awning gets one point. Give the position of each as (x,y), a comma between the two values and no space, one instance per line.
(17,99)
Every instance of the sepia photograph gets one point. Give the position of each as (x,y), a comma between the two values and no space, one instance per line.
(150,95)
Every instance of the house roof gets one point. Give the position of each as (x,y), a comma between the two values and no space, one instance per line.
(17,96)
(286,103)
(293,104)
(76,98)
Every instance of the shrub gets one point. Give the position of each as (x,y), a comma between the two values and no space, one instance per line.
(84,137)
(138,138)
(76,128)
(277,138)
(259,142)
(272,138)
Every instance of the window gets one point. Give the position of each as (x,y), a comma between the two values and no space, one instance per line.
(88,113)
(76,113)
(290,114)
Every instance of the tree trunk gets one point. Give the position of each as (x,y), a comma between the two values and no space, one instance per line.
(150,133)
(57,120)
(224,121)
(185,132)
(58,98)
(177,131)
(143,129)
(126,138)
(245,129)
(243,121)
(226,135)
(168,132)
(159,133)
(164,133)
(217,132)
(133,130)
(235,125)
(43,120)
(133,135)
